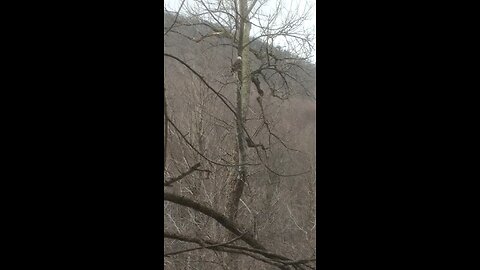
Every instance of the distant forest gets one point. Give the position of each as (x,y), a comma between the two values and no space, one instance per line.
(239,146)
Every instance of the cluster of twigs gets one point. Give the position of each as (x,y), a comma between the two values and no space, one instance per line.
(228,247)
(256,249)
(271,65)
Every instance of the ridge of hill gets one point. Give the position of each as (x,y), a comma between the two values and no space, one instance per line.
(215,54)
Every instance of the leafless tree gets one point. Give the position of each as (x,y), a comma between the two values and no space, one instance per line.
(216,154)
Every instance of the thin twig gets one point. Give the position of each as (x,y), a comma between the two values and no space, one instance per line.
(178,178)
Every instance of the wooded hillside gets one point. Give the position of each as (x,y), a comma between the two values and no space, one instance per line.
(240,175)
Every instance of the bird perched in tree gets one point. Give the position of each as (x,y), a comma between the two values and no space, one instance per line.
(237,65)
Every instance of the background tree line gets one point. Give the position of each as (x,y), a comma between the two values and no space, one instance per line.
(239,148)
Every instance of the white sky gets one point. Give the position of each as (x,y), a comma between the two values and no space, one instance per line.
(173,5)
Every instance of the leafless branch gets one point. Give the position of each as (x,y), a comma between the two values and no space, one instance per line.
(181,176)
(202,155)
(267,256)
(175,20)
(202,246)
(220,218)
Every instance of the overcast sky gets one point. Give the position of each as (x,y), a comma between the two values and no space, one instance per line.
(175,4)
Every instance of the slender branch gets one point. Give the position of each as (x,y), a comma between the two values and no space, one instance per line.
(220,218)
(203,156)
(220,96)
(202,246)
(176,17)
(181,176)
(268,257)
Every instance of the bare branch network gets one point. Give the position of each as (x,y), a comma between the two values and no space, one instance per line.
(239,161)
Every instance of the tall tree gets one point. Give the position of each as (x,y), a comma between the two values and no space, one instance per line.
(268,68)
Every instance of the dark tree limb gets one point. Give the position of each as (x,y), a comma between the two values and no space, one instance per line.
(220,96)
(267,256)
(181,176)
(220,218)
(203,156)
(202,246)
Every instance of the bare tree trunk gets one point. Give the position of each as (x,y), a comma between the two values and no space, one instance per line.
(243,90)
(165,128)
(212,204)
